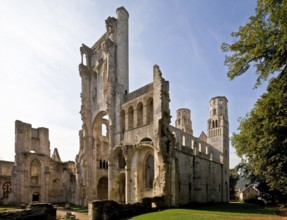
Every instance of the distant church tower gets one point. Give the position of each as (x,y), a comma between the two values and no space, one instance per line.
(183,121)
(218,135)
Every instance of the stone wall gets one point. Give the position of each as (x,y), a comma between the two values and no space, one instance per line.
(32,212)
(200,180)
(109,209)
(38,177)
(5,182)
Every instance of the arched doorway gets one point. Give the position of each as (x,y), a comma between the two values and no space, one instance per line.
(102,188)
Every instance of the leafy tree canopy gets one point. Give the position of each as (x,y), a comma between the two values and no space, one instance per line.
(263,135)
(261,42)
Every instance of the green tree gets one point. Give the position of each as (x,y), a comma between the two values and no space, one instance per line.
(262,42)
(233,178)
(247,176)
(262,136)
(245,172)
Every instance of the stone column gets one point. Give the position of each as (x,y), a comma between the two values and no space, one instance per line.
(90,176)
(127,182)
(122,38)
(111,180)
(135,117)
(46,186)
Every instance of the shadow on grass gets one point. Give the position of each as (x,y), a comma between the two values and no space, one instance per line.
(235,207)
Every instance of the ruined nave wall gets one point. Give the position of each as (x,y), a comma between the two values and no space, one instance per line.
(200,180)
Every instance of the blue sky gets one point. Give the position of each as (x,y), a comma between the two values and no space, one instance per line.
(39,59)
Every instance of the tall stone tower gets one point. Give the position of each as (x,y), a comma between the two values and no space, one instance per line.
(183,121)
(218,136)
(105,74)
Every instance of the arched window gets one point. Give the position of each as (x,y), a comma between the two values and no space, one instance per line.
(183,140)
(140,114)
(104,124)
(131,117)
(212,124)
(149,109)
(216,125)
(214,111)
(123,125)
(100,132)
(56,183)
(149,172)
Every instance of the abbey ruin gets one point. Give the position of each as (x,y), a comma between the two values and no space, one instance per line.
(128,148)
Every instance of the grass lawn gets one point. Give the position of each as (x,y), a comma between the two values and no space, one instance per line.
(5,208)
(79,209)
(72,208)
(231,211)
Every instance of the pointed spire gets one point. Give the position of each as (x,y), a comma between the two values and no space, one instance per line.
(56,155)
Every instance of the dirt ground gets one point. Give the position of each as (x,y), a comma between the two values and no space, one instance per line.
(61,213)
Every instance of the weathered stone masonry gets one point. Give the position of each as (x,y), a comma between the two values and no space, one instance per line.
(128,149)
(35,176)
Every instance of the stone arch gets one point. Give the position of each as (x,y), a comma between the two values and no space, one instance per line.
(100,125)
(56,183)
(100,134)
(149,110)
(139,114)
(130,117)
(102,188)
(149,171)
(35,172)
(146,141)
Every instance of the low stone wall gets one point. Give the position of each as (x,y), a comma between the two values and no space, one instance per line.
(32,212)
(109,209)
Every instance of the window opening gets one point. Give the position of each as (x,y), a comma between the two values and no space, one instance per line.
(149,172)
